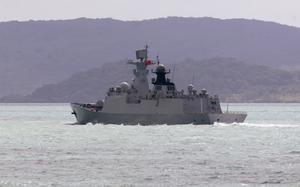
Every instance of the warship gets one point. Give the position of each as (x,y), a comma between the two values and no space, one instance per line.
(137,103)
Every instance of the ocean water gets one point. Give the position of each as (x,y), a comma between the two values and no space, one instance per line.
(39,146)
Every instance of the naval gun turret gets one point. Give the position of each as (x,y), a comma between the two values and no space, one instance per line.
(137,103)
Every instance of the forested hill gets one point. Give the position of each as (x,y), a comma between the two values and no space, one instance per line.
(35,53)
(232,80)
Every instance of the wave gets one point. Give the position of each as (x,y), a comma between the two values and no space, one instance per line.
(264,125)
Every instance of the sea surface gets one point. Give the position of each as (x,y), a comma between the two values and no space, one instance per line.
(40,146)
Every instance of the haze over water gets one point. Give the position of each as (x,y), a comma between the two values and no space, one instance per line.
(40,147)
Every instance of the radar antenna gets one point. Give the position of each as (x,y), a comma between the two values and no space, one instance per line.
(193,78)
(174,65)
(142,54)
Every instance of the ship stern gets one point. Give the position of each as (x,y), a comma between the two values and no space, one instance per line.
(228,117)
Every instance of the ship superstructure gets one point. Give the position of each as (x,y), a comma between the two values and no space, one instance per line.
(137,103)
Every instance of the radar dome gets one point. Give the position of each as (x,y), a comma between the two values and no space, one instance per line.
(160,68)
(124,86)
(100,103)
(190,87)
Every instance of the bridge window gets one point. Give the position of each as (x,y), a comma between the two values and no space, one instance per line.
(170,87)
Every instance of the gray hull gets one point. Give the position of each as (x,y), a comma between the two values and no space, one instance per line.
(84,115)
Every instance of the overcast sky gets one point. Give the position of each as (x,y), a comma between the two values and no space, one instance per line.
(282,11)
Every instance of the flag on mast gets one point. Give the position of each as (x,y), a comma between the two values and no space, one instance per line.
(148,62)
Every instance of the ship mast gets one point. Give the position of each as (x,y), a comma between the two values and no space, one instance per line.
(140,82)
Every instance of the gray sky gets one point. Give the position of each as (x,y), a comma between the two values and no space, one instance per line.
(282,11)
